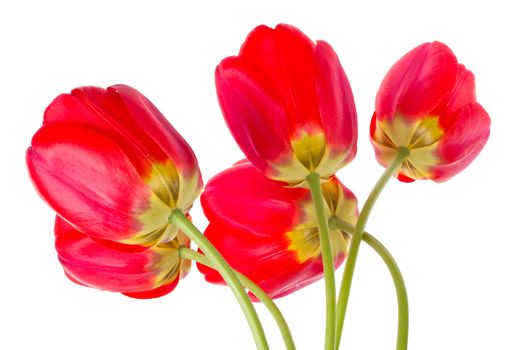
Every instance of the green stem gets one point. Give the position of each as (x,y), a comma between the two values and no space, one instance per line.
(188,253)
(179,219)
(343,296)
(327,258)
(399,284)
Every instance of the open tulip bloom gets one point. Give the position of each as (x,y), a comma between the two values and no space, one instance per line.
(274,226)
(427,104)
(289,105)
(109,163)
(122,180)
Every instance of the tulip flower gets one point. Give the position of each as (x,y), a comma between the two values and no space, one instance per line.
(115,170)
(268,231)
(109,163)
(108,266)
(427,104)
(288,104)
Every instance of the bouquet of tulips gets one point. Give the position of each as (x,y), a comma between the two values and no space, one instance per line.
(122,180)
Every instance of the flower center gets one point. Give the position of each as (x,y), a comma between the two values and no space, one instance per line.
(304,239)
(420,136)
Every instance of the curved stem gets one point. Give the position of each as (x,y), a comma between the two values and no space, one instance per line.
(327,258)
(179,219)
(399,284)
(343,296)
(188,253)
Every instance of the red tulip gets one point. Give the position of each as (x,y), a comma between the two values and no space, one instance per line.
(427,103)
(288,103)
(110,164)
(268,231)
(140,274)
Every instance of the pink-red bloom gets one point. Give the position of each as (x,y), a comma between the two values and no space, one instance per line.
(109,163)
(268,231)
(289,105)
(427,103)
(114,169)
(138,273)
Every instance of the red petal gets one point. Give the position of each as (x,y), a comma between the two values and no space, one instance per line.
(150,122)
(463,92)
(130,119)
(254,118)
(282,61)
(154,293)
(265,260)
(463,141)
(95,265)
(243,196)
(88,180)
(336,102)
(418,82)
(405,178)
(101,109)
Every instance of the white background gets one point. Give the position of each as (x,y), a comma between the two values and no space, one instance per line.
(457,243)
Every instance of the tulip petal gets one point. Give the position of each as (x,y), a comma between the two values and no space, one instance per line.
(462,93)
(265,260)
(154,293)
(89,181)
(282,60)
(418,82)
(336,103)
(463,141)
(124,113)
(148,117)
(255,199)
(90,263)
(254,117)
